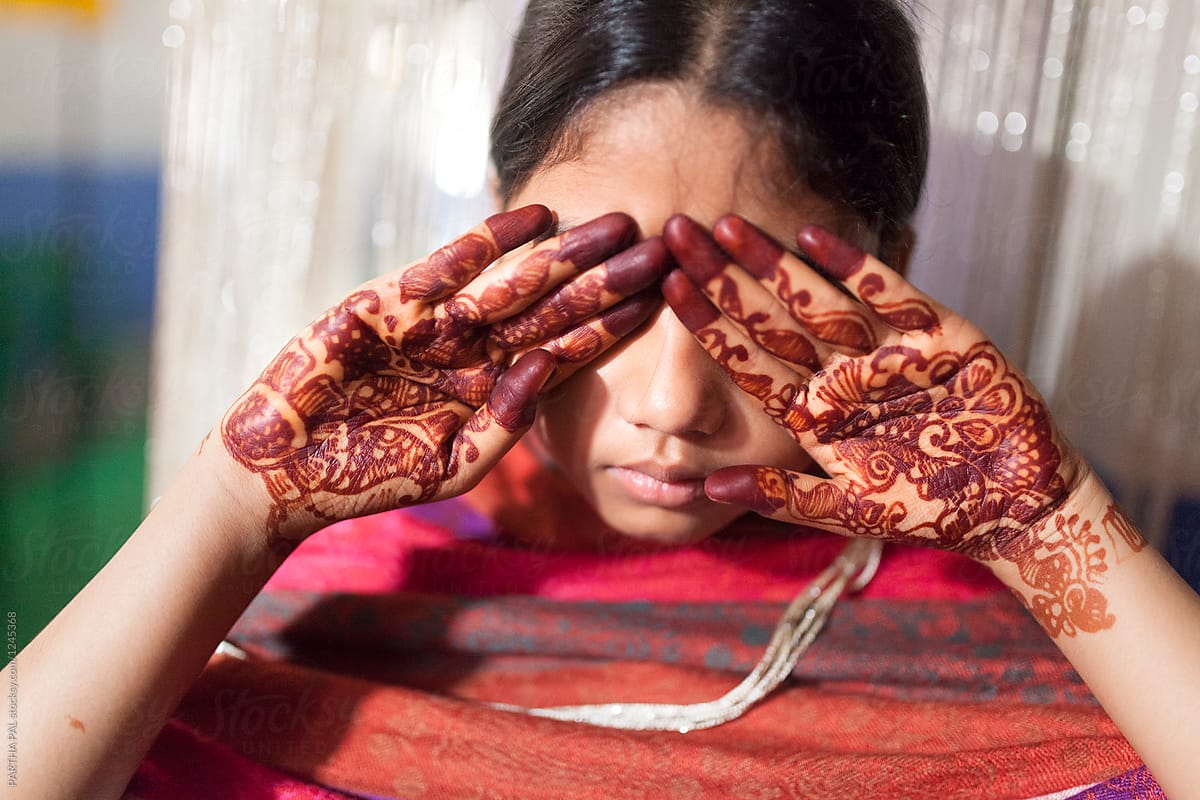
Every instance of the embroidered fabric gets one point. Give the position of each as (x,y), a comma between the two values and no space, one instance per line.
(796,630)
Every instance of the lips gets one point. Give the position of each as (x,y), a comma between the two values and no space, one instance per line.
(657,484)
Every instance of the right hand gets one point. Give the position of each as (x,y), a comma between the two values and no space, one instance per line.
(403,393)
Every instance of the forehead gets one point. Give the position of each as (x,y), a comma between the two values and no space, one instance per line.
(653,150)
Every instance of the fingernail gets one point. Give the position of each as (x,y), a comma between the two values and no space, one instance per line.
(837,257)
(513,228)
(741,486)
(694,310)
(592,242)
(696,252)
(636,268)
(514,399)
(750,246)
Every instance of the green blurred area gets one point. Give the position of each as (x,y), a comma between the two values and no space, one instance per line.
(74,368)
(60,521)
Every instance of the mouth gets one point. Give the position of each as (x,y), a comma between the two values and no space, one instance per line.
(663,485)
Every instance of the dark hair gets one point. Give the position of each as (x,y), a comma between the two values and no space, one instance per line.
(839,82)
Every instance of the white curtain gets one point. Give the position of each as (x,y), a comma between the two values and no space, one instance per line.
(1062,214)
(312,144)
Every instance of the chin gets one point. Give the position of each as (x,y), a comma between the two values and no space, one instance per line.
(658,527)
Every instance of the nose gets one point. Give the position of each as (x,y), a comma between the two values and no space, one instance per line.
(679,388)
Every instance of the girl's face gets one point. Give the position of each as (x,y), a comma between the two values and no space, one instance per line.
(638,431)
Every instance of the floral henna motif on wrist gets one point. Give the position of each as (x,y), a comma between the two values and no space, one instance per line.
(1064,561)
(386,398)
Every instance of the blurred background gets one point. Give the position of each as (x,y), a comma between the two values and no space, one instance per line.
(81,99)
(183,185)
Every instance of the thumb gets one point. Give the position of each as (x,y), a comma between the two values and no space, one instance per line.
(509,411)
(784,495)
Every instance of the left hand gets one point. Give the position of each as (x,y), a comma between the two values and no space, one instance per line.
(927,433)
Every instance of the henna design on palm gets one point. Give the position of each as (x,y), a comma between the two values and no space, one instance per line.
(403,393)
(928,435)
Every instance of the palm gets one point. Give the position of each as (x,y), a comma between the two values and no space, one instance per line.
(927,434)
(402,393)
(948,450)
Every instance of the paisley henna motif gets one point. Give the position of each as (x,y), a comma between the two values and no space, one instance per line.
(401,393)
(929,438)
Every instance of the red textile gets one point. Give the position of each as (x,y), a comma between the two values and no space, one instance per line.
(930,684)
(186,766)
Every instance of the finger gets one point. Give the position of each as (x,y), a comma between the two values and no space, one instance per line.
(894,300)
(828,314)
(585,296)
(493,429)
(453,266)
(587,341)
(741,298)
(755,371)
(787,496)
(516,283)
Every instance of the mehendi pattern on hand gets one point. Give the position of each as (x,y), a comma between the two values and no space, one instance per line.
(402,393)
(929,436)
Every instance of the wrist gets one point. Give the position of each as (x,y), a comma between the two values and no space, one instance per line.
(1059,565)
(228,507)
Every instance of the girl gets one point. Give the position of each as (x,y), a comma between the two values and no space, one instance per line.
(647,307)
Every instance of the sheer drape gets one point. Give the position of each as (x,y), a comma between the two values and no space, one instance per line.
(310,145)
(1062,215)
(313,144)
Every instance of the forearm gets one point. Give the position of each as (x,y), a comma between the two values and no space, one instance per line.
(1142,660)
(97,684)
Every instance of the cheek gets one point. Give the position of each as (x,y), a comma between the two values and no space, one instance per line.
(570,421)
(767,442)
(575,419)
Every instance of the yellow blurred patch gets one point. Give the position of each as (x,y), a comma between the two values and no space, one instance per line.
(91,9)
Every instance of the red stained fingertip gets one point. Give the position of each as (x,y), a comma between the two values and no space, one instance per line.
(625,317)
(693,247)
(836,256)
(694,310)
(750,246)
(636,268)
(514,398)
(590,243)
(514,228)
(741,486)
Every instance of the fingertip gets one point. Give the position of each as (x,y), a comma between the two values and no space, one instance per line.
(590,243)
(637,267)
(728,227)
(625,317)
(513,228)
(514,399)
(754,248)
(677,287)
(742,486)
(535,366)
(679,225)
(694,248)
(690,305)
(621,224)
(837,257)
